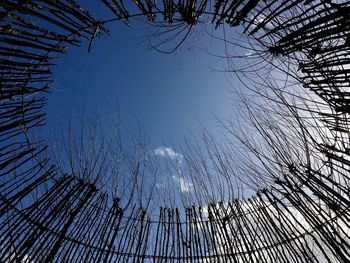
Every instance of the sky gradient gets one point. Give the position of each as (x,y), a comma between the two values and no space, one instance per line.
(168,94)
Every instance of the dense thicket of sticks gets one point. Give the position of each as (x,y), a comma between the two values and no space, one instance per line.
(303,217)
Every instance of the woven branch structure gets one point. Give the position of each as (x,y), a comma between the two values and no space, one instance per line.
(303,217)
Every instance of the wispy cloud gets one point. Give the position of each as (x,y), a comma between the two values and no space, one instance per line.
(168,152)
(184,184)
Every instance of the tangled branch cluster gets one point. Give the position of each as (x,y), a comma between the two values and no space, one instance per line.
(300,212)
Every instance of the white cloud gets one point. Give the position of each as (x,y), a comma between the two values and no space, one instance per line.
(168,152)
(184,184)
(173,172)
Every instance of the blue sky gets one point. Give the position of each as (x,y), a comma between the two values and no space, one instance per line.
(168,94)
